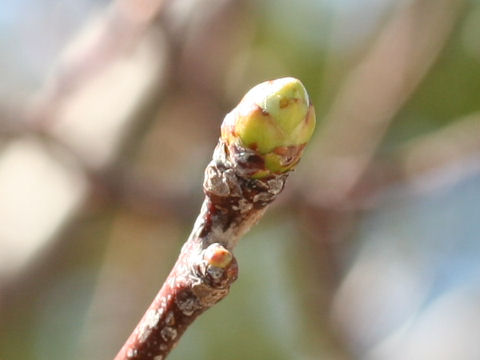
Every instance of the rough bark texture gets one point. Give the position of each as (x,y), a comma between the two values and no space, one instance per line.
(206,268)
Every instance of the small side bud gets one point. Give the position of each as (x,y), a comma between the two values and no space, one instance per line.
(275,119)
(216,255)
(219,268)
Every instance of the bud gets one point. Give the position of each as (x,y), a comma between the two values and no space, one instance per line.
(216,255)
(275,120)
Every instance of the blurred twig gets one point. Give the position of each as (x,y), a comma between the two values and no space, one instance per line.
(444,147)
(114,33)
(345,147)
(439,158)
(119,29)
(375,90)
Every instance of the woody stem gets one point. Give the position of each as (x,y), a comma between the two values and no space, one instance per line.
(205,269)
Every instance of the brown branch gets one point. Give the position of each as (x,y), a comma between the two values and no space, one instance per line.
(262,139)
(206,267)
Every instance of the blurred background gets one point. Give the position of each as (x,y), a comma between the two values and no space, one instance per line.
(109,113)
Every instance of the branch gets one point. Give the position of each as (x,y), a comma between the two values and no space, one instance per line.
(262,140)
(436,159)
(373,93)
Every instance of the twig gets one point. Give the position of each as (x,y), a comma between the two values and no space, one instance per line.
(243,178)
(373,93)
(448,155)
(121,27)
(232,205)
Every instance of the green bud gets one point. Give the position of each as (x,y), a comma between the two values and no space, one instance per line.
(274,119)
